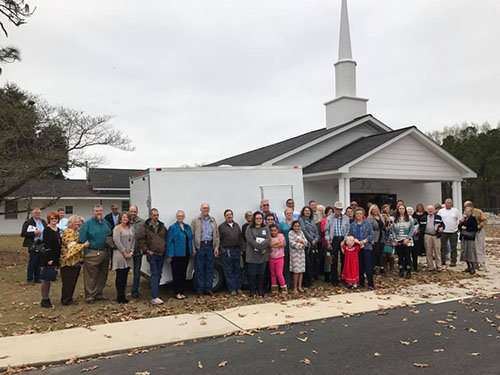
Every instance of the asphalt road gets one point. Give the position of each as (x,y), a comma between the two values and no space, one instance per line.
(450,338)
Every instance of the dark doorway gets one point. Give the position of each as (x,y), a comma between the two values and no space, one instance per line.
(378,199)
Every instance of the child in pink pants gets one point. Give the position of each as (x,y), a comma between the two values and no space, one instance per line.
(277,259)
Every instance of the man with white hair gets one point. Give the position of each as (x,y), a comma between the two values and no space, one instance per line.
(451,217)
(431,225)
(32,231)
(265,208)
(206,247)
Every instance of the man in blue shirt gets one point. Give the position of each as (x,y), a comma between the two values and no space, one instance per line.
(32,231)
(336,229)
(206,247)
(113,217)
(63,221)
(96,259)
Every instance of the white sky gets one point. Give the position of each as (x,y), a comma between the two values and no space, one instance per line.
(195,81)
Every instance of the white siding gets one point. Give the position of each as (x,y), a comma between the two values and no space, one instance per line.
(81,207)
(324,192)
(320,150)
(407,156)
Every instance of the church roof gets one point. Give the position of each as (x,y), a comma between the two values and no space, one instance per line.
(263,154)
(352,151)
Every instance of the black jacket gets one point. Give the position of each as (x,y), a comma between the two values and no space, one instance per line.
(29,236)
(437,221)
(109,219)
(471,224)
(52,241)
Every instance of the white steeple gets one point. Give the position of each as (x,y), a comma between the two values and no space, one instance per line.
(346,106)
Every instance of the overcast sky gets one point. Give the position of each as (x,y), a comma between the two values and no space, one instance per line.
(195,81)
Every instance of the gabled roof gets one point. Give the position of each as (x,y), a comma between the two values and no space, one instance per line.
(110,178)
(263,154)
(352,151)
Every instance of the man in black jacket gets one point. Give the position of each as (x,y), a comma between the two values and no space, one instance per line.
(32,231)
(431,227)
(113,217)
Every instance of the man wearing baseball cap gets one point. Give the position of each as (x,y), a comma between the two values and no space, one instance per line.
(336,229)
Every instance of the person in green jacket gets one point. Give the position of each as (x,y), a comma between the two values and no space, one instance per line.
(96,257)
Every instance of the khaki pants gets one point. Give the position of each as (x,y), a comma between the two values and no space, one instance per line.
(95,273)
(432,251)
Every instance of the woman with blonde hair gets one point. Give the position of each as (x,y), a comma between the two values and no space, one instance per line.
(71,258)
(124,239)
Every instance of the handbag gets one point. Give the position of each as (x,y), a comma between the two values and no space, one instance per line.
(468,235)
(39,248)
(49,273)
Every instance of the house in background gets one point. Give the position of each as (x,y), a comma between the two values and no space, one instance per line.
(358,157)
(102,186)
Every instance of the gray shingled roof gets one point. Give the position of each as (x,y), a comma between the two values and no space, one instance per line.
(263,154)
(109,178)
(60,188)
(352,151)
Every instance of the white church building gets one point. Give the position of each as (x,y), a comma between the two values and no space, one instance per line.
(358,157)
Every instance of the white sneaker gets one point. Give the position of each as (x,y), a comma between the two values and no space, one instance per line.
(156,301)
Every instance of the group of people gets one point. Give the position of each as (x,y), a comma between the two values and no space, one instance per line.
(276,252)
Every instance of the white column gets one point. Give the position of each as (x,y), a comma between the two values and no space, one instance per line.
(456,194)
(342,191)
(347,190)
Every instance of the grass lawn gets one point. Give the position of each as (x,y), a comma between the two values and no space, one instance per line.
(20,311)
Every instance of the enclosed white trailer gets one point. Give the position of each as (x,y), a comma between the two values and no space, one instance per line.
(239,188)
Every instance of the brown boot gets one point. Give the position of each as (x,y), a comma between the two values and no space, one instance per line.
(274,289)
(284,290)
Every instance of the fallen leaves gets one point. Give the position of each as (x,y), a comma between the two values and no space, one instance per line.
(240,341)
(475,354)
(200,365)
(472,330)
(222,364)
(303,339)
(87,369)
(437,334)
(421,365)
(438,350)
(306,361)
(404,342)
(142,373)
(278,333)
(376,354)
(179,343)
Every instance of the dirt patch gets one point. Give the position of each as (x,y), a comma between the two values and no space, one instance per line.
(13,259)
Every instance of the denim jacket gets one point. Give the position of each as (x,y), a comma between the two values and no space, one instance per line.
(366,233)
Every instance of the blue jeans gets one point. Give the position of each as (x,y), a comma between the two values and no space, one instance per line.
(231,266)
(156,266)
(204,268)
(365,267)
(255,269)
(134,292)
(33,266)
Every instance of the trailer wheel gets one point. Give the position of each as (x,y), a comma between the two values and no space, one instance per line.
(218,282)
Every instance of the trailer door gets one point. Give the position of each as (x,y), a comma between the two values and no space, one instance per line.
(277,196)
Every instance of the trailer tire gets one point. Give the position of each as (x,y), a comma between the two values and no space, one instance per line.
(218,283)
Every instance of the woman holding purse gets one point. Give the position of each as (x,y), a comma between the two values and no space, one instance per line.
(50,260)
(124,239)
(468,230)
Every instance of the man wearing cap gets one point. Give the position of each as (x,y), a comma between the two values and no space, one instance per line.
(336,229)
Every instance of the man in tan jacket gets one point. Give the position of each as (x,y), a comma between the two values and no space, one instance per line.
(206,247)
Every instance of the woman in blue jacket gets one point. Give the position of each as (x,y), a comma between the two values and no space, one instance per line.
(179,251)
(362,231)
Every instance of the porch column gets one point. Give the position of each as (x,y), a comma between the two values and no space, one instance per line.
(344,191)
(347,192)
(456,189)
(341,197)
